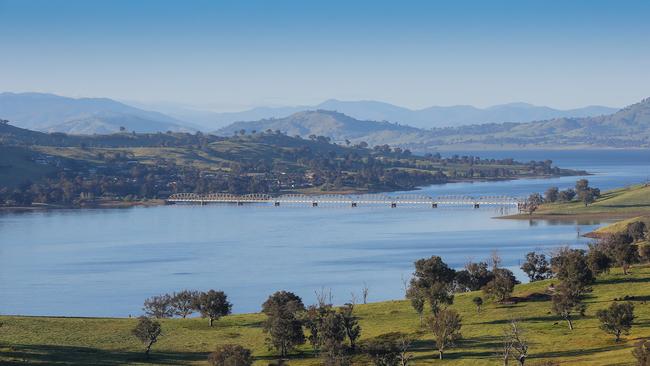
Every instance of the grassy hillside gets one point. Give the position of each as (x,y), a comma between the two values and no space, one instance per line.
(18,164)
(618,203)
(621,226)
(82,341)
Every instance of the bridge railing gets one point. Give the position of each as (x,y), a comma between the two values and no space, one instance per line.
(404,199)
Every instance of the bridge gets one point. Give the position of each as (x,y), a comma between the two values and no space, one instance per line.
(353,200)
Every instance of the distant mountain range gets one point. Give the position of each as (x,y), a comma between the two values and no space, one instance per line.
(628,127)
(53,113)
(378,111)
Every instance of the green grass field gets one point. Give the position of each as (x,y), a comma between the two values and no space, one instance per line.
(106,341)
(618,203)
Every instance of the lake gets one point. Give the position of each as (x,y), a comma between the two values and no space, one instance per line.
(106,262)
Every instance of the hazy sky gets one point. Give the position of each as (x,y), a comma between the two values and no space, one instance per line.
(234,54)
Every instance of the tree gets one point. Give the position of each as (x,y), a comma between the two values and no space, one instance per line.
(567,195)
(617,319)
(473,277)
(230,355)
(159,306)
(552,194)
(570,266)
(641,353)
(213,305)
(331,334)
(435,280)
(364,293)
(637,230)
(147,331)
(597,260)
(417,299)
(515,344)
(536,267)
(350,324)
(478,302)
(619,247)
(283,326)
(587,197)
(445,326)
(582,185)
(312,319)
(567,300)
(184,302)
(535,199)
(501,286)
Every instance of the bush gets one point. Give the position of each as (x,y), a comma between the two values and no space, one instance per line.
(501,286)
(390,349)
(230,355)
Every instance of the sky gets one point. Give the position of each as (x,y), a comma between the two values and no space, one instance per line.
(231,55)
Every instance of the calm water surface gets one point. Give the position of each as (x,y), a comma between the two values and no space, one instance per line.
(105,262)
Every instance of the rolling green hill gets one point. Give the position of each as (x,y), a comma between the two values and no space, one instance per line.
(618,203)
(107,341)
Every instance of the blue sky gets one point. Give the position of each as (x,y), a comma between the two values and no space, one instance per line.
(236,54)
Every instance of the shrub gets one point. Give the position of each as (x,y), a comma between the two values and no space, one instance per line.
(230,355)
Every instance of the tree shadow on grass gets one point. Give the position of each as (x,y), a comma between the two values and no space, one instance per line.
(475,347)
(578,352)
(77,356)
(617,280)
(546,318)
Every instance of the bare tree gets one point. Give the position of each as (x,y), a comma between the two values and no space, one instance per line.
(514,344)
(323,297)
(445,326)
(495,259)
(403,345)
(364,293)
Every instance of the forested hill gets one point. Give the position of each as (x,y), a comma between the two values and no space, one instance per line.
(83,170)
(629,127)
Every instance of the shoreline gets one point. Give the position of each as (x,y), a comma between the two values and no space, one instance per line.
(39,207)
(576,217)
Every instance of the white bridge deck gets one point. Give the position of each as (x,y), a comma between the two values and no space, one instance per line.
(352,200)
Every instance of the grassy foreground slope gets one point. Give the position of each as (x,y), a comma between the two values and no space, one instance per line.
(82,341)
(620,203)
(620,226)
